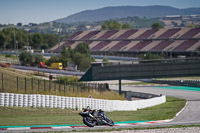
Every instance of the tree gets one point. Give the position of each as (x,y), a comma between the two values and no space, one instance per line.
(36,40)
(156,26)
(111,25)
(105,59)
(26,58)
(50,39)
(82,61)
(37,59)
(53,59)
(44,46)
(148,56)
(126,26)
(191,26)
(83,48)
(2,40)
(9,35)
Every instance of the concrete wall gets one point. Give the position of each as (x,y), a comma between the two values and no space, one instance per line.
(50,101)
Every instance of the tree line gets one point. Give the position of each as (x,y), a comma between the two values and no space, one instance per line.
(79,56)
(114,25)
(12,38)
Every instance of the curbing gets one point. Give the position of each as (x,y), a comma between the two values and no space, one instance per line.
(76,126)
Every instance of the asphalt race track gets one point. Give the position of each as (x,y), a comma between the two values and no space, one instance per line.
(189,115)
(49,70)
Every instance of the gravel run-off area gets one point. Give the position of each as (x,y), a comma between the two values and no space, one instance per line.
(162,130)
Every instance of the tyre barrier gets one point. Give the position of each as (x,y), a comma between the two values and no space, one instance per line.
(78,103)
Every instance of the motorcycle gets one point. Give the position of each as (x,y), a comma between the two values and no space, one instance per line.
(93,118)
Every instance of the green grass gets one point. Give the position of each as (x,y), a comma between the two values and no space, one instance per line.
(18,116)
(159,112)
(13,59)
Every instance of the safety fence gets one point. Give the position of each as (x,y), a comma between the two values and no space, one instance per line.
(24,85)
(78,103)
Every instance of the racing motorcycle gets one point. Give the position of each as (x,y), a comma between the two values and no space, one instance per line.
(92,118)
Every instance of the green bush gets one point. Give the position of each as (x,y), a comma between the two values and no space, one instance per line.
(8,55)
(66,79)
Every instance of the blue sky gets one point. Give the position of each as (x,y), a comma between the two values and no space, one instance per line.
(38,11)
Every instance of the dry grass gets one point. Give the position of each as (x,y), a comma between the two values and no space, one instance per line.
(46,87)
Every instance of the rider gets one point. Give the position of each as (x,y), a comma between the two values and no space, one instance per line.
(102,113)
(95,111)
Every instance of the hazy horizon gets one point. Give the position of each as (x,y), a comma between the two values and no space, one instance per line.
(39,11)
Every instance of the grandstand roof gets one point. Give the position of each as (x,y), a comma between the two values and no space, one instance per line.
(136,40)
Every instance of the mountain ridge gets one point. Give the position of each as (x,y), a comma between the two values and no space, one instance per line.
(112,12)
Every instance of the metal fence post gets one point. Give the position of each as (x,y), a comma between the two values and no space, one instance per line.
(73,86)
(25,85)
(77,87)
(44,85)
(32,84)
(64,87)
(38,85)
(59,88)
(2,75)
(69,88)
(49,85)
(55,86)
(88,87)
(17,83)
(84,87)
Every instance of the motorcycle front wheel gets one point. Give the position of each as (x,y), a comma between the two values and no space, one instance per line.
(89,122)
(110,122)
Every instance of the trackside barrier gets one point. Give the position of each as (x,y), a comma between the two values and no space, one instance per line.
(50,101)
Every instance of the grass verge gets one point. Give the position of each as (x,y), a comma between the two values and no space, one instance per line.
(18,116)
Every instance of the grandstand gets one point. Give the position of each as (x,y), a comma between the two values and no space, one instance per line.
(176,40)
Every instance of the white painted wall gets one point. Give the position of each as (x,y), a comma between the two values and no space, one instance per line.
(36,100)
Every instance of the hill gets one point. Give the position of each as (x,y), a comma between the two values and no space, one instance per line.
(107,13)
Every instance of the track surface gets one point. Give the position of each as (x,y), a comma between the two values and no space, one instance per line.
(190,115)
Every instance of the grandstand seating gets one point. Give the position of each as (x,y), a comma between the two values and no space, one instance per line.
(108,34)
(129,46)
(147,33)
(150,46)
(119,45)
(168,33)
(88,42)
(185,45)
(127,34)
(194,47)
(191,33)
(140,45)
(100,45)
(134,40)
(160,46)
(74,35)
(110,45)
(58,47)
(89,35)
(93,44)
